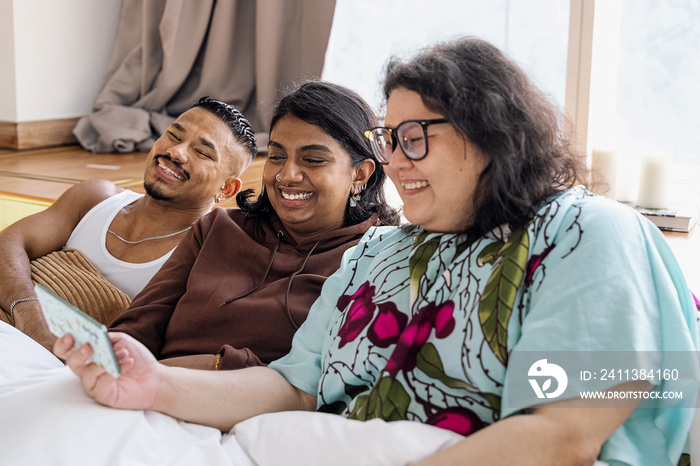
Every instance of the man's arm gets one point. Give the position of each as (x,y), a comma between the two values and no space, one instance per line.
(35,236)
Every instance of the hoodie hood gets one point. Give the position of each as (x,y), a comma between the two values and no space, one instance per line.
(267,232)
(285,251)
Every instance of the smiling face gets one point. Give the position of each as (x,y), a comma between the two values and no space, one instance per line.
(195,161)
(308,178)
(437,191)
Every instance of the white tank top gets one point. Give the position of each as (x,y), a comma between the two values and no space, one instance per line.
(90,236)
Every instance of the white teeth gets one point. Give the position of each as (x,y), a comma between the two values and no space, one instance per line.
(169,171)
(415,185)
(294,197)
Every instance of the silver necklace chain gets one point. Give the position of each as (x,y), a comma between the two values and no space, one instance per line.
(148,239)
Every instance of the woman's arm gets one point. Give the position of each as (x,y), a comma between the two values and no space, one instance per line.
(217,399)
(223,398)
(568,432)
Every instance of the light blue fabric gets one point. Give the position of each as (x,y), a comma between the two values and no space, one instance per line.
(587,274)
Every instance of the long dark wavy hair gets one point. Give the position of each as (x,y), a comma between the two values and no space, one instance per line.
(344,116)
(489,100)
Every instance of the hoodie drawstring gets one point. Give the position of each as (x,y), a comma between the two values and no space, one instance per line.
(280,234)
(289,287)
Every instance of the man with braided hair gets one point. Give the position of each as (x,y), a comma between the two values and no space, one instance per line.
(128,236)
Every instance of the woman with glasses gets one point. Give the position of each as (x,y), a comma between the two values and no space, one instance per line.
(506,259)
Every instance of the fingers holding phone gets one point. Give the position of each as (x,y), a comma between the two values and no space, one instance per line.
(64,318)
(79,359)
(137,385)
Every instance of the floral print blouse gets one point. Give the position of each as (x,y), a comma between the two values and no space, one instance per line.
(423,326)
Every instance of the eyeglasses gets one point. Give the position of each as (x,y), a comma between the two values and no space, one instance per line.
(411,135)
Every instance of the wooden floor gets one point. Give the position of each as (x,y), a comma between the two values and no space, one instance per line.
(30,180)
(45,174)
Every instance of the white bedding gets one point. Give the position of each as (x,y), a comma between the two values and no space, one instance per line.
(21,356)
(46,418)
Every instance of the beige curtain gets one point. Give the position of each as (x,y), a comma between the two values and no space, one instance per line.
(169,53)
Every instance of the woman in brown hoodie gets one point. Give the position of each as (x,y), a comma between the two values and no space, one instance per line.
(242,281)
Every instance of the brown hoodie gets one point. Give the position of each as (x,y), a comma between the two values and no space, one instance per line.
(236,286)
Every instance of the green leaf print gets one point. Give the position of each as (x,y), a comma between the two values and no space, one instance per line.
(388,400)
(418,262)
(489,254)
(359,409)
(498,298)
(493,400)
(429,362)
(353,390)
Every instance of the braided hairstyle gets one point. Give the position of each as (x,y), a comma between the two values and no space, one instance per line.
(234,119)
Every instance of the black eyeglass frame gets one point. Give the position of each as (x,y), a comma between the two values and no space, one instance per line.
(395,140)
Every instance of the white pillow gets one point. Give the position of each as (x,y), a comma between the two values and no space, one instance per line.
(310,438)
(302,438)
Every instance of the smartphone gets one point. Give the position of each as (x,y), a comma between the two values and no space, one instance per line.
(62,317)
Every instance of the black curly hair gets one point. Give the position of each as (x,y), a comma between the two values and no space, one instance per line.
(344,116)
(488,99)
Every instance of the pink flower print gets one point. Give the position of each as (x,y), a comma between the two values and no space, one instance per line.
(387,326)
(535,262)
(417,333)
(359,315)
(444,322)
(456,419)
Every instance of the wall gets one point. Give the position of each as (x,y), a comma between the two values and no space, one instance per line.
(53,55)
(8,103)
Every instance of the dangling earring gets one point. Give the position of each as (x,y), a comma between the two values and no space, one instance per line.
(218,198)
(355,198)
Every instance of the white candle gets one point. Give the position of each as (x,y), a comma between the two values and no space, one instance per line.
(604,172)
(627,179)
(654,182)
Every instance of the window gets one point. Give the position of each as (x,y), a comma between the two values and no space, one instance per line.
(644,91)
(366,33)
(658,103)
